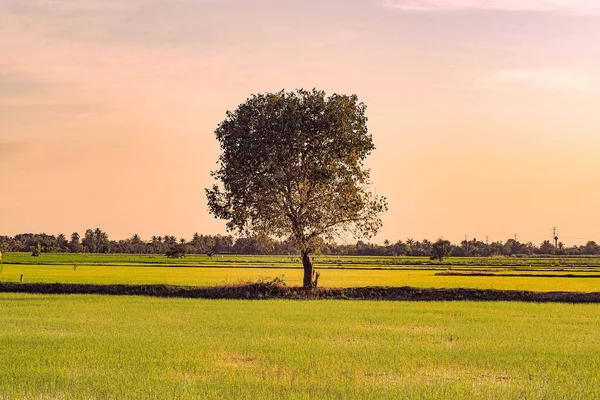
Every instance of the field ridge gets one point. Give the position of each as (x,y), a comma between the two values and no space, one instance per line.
(270,290)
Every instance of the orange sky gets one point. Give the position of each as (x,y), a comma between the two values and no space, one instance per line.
(484,112)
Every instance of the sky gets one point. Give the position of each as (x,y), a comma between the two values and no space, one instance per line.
(483,112)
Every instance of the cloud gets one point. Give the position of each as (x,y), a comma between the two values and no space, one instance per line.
(15,83)
(12,149)
(577,7)
(113,21)
(557,79)
(15,118)
(61,6)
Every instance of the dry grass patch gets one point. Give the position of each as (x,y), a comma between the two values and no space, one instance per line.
(237,360)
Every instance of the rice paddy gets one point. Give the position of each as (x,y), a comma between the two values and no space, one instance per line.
(86,346)
(190,276)
(97,347)
(507,273)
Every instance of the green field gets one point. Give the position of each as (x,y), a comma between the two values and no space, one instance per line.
(321,261)
(187,276)
(569,274)
(88,346)
(67,346)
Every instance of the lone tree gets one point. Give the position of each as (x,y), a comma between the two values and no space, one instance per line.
(440,249)
(292,167)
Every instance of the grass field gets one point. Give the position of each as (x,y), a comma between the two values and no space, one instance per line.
(568,274)
(127,274)
(88,346)
(536,263)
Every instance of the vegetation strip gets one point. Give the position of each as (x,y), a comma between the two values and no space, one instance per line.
(517,275)
(273,290)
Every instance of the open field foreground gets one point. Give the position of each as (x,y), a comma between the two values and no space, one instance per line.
(197,276)
(73,346)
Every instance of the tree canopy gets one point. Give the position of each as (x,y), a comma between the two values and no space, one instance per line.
(261,244)
(440,249)
(292,166)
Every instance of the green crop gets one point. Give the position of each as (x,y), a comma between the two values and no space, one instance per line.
(205,276)
(86,346)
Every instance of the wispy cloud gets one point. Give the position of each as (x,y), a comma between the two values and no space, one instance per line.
(14,83)
(581,7)
(112,21)
(10,149)
(557,79)
(61,6)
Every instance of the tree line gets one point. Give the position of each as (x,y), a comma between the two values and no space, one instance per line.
(97,241)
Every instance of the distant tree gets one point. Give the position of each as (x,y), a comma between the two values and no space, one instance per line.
(102,241)
(170,240)
(496,248)
(208,245)
(512,247)
(156,245)
(61,243)
(176,251)
(257,244)
(409,246)
(293,167)
(136,245)
(74,244)
(223,243)
(440,249)
(96,241)
(400,249)
(547,248)
(425,246)
(591,248)
(36,250)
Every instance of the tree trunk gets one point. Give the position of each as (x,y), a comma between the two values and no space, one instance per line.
(308,270)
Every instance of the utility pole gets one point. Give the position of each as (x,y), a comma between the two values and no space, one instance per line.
(487,239)
(554,235)
(516,238)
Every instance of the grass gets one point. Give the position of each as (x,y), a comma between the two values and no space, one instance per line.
(293,261)
(133,347)
(201,270)
(329,277)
